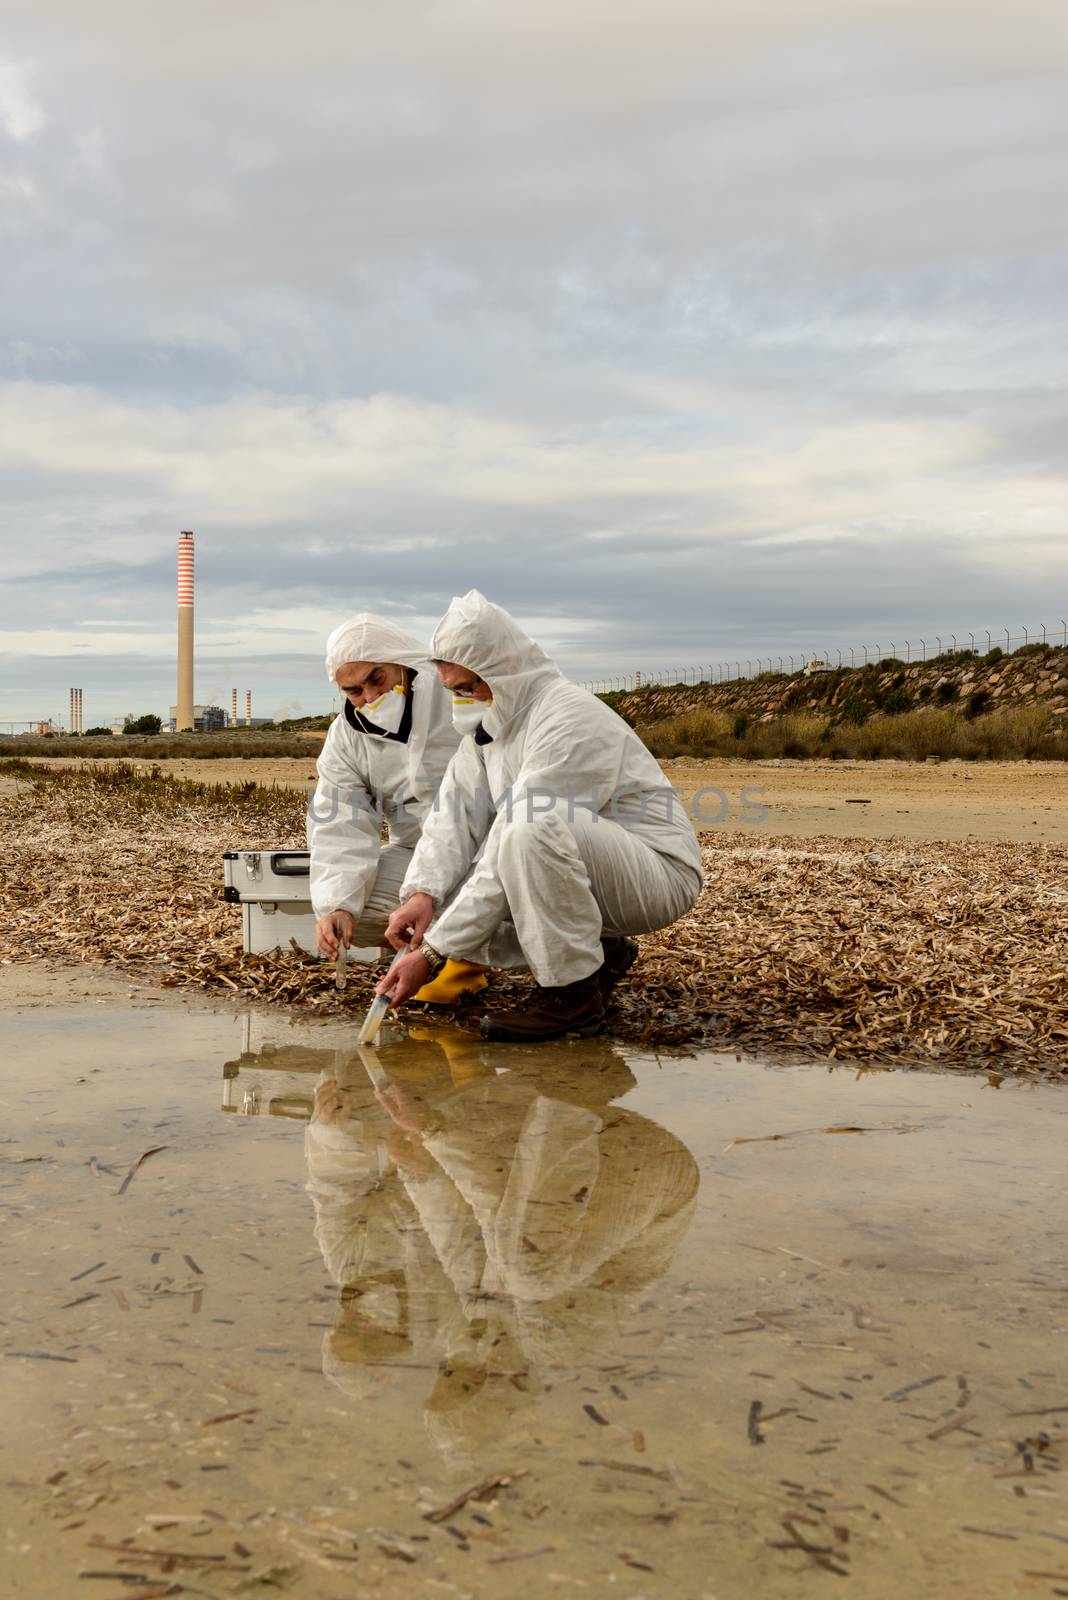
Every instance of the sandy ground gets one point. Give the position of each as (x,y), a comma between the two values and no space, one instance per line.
(1025,801)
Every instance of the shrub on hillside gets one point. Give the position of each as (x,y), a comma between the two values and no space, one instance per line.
(947,692)
(855,710)
(896,701)
(1040,649)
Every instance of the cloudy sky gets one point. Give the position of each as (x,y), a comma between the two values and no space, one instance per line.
(686,329)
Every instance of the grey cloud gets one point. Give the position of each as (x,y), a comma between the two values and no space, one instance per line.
(730,228)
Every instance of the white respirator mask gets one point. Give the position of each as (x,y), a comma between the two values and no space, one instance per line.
(467,714)
(387,711)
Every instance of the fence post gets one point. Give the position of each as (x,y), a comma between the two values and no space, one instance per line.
(939,644)
(1008,642)
(908,648)
(1026,640)
(1043,633)
(923,646)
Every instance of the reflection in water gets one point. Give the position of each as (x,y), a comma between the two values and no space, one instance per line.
(489,1217)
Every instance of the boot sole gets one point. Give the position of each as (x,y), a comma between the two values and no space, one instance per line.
(505,1035)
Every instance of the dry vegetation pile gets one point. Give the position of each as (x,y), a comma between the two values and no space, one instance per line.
(952,954)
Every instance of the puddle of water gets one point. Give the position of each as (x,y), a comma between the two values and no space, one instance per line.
(315,1316)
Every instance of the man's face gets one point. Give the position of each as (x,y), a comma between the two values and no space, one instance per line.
(463,682)
(363,681)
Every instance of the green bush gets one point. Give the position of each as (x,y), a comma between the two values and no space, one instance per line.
(995,654)
(1033,650)
(855,710)
(98,733)
(146,724)
(947,692)
(740,726)
(976,704)
(896,701)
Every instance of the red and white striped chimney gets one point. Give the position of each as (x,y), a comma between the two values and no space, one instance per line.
(248,708)
(233,708)
(184,718)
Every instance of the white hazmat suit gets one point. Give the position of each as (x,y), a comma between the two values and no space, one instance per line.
(554,818)
(367,776)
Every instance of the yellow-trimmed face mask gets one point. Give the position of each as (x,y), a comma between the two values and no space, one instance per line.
(387,711)
(467,714)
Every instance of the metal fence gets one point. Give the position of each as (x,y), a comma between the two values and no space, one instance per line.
(908,651)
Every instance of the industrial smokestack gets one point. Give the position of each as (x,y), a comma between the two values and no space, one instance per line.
(233,708)
(74,721)
(183,721)
(248,708)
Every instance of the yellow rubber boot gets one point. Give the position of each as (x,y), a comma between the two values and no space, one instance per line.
(454,979)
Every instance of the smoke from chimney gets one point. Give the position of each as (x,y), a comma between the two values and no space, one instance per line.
(184,718)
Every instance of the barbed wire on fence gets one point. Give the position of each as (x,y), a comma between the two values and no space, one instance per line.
(909,653)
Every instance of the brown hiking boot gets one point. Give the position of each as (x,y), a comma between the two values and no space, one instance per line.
(620,954)
(574,1008)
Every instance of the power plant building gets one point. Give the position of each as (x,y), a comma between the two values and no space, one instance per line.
(203,719)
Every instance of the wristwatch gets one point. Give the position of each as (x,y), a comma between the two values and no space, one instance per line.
(434,960)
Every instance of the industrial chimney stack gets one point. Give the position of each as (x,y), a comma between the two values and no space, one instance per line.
(248,708)
(184,719)
(233,708)
(75,720)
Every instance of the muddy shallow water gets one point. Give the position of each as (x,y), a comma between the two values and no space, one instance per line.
(697,1359)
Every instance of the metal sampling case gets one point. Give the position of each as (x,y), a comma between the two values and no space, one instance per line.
(273,891)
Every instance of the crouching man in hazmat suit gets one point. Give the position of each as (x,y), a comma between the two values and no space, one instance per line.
(554,823)
(382,759)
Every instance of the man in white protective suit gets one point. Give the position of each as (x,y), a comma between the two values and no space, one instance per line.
(553,820)
(383,759)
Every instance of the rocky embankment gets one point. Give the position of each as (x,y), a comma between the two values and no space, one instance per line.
(1033,676)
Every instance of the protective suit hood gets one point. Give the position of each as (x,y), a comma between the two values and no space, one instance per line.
(475,633)
(367,637)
